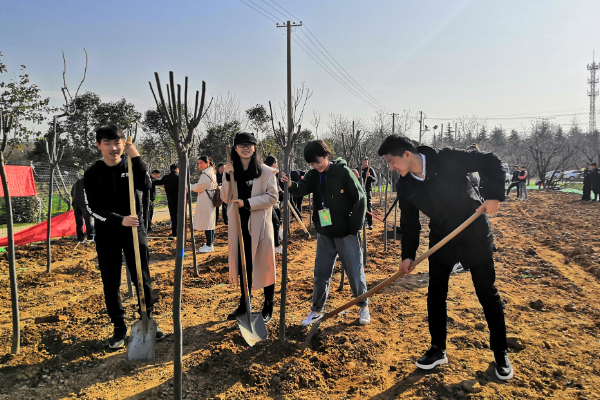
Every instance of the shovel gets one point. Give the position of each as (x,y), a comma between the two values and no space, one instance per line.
(291,206)
(388,281)
(143,333)
(251,324)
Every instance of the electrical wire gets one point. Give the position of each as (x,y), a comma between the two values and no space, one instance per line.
(264,15)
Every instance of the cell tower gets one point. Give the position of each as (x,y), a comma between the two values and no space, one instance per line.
(592,80)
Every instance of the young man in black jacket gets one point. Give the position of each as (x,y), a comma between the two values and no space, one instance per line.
(514,182)
(81,213)
(148,200)
(107,197)
(595,178)
(171,183)
(369,177)
(435,183)
(587,183)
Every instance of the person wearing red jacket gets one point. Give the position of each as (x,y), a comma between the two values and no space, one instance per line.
(523,185)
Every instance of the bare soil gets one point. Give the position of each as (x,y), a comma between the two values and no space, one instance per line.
(548,273)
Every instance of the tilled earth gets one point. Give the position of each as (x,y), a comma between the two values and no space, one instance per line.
(548,272)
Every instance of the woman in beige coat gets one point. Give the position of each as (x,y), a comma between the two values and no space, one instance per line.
(257,193)
(205,214)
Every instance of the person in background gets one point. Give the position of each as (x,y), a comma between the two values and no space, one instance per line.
(595,181)
(148,200)
(220,170)
(171,184)
(271,161)
(356,173)
(523,185)
(204,216)
(514,182)
(369,177)
(81,213)
(296,176)
(339,214)
(257,193)
(587,183)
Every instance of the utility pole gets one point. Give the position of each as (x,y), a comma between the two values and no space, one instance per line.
(393,122)
(420,127)
(592,80)
(286,167)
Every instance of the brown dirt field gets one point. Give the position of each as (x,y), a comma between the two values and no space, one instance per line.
(547,251)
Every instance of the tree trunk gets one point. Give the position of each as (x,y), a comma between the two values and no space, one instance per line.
(14,295)
(178,279)
(49,221)
(286,222)
(385,209)
(191,220)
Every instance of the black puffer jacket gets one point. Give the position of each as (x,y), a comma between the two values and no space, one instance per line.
(448,199)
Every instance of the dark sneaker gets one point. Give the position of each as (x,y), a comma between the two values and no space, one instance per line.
(159,334)
(241,310)
(370,227)
(432,358)
(267,311)
(118,338)
(504,371)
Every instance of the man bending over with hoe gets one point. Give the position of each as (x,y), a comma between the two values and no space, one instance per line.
(107,197)
(435,182)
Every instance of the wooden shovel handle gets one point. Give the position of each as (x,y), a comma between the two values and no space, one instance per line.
(136,243)
(238,223)
(401,272)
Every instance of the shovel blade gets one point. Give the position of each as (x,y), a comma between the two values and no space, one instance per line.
(141,342)
(256,331)
(311,333)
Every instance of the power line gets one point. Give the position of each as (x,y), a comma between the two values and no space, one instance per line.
(510,118)
(264,15)
(274,16)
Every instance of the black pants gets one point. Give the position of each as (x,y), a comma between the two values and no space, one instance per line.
(110,246)
(82,215)
(148,213)
(484,276)
(297,202)
(596,193)
(210,237)
(276,225)
(512,185)
(172,204)
(269,290)
(224,212)
(587,191)
(369,207)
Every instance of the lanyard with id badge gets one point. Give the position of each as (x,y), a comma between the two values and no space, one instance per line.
(324,214)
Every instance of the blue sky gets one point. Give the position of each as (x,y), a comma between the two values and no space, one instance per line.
(446,58)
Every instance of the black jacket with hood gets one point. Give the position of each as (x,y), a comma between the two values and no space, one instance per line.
(339,188)
(107,191)
(447,197)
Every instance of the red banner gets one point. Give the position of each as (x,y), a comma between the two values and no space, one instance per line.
(62,225)
(20,181)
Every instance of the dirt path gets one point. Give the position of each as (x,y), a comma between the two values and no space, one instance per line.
(548,273)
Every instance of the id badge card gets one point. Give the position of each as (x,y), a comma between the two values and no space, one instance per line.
(325,217)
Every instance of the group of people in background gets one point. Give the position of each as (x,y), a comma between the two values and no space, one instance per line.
(519,179)
(591,182)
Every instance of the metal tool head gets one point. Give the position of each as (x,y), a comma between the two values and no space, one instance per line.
(253,328)
(311,333)
(142,341)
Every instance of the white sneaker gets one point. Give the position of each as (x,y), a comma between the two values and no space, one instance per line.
(457,268)
(280,233)
(279,249)
(365,316)
(206,249)
(312,317)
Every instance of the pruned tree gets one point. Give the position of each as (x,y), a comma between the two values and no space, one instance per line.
(21,104)
(55,151)
(181,122)
(315,121)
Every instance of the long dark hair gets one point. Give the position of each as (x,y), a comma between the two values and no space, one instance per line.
(254,168)
(207,160)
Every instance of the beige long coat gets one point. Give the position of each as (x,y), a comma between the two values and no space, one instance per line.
(264,196)
(205,214)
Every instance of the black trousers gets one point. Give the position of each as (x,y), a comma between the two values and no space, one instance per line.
(484,276)
(224,213)
(369,207)
(587,191)
(297,202)
(269,290)
(512,185)
(82,215)
(148,213)
(276,224)
(172,205)
(110,246)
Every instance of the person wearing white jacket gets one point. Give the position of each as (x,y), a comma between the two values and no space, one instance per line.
(205,214)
